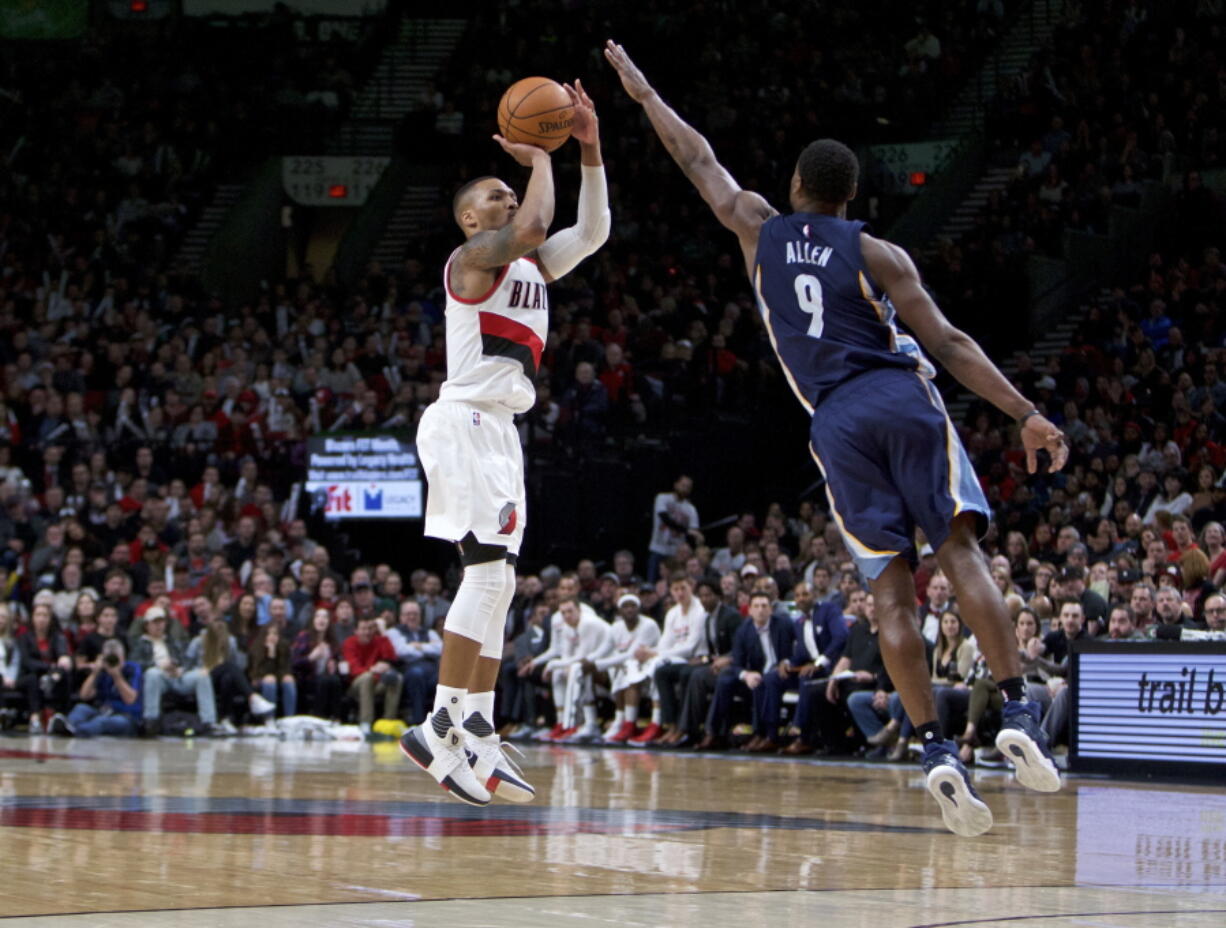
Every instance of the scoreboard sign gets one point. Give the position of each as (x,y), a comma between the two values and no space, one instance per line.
(1148,707)
(319,180)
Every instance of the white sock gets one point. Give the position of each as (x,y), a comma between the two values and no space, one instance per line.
(448,704)
(631,713)
(589,716)
(655,715)
(482,706)
(618,718)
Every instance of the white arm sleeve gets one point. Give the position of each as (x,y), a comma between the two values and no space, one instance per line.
(561,252)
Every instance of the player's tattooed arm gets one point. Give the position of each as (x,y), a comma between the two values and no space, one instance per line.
(526,231)
(742,211)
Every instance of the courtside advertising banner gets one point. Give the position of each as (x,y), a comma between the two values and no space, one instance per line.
(1147,707)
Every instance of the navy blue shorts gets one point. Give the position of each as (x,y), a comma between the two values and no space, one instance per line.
(892,461)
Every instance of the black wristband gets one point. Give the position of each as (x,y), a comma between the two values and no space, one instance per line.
(1022,421)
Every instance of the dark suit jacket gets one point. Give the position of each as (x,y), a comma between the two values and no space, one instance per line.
(747,653)
(829,631)
(727,621)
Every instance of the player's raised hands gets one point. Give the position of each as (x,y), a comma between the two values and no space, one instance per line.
(632,78)
(1038,433)
(524,154)
(585,128)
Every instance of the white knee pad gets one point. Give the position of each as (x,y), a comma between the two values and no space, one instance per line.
(477,600)
(495,632)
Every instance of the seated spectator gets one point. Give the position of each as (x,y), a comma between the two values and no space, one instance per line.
(10,655)
(520,674)
(821,636)
(110,697)
(580,637)
(163,663)
(618,669)
(418,649)
(860,669)
(720,624)
(367,663)
(1055,644)
(225,660)
(681,649)
(940,598)
(46,668)
(315,656)
(268,667)
(761,641)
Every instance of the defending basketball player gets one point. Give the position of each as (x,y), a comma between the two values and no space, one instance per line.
(828,293)
(497,320)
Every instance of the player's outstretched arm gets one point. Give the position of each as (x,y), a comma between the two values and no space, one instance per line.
(527,230)
(562,251)
(739,210)
(893,269)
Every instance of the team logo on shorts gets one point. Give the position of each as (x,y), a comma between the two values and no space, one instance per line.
(476,417)
(506,519)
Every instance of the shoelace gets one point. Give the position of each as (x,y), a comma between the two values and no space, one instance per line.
(497,748)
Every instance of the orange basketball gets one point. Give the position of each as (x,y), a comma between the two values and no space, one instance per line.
(536,111)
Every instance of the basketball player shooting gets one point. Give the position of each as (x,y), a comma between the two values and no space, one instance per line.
(828,293)
(497,319)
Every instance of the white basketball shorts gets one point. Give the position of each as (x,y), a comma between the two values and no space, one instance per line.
(474,470)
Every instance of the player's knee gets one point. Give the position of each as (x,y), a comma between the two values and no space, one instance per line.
(476,603)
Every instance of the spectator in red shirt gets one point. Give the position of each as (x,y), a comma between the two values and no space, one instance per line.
(368,657)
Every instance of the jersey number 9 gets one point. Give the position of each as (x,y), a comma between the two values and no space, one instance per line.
(809,299)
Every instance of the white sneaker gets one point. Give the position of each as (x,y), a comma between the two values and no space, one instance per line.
(445,759)
(585,735)
(225,727)
(491,766)
(36,725)
(261,706)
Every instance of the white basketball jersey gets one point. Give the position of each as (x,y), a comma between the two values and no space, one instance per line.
(494,343)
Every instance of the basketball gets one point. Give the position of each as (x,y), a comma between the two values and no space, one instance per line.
(536,111)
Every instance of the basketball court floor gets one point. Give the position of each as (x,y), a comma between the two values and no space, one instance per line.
(269,833)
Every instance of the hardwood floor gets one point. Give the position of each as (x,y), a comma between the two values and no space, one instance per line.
(273,833)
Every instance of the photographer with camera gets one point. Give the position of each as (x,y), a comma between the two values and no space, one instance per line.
(110,697)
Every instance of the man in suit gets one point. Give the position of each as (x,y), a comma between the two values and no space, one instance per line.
(760,642)
(821,635)
(719,626)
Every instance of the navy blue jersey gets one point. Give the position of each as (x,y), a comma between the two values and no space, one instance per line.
(826,318)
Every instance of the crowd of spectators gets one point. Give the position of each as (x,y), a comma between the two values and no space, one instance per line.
(1123,94)
(155,561)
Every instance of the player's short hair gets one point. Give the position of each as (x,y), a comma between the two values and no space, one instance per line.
(828,171)
(461,195)
(680,577)
(760,595)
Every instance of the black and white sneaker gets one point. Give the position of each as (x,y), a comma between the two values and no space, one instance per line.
(60,725)
(442,755)
(965,813)
(1022,742)
(491,766)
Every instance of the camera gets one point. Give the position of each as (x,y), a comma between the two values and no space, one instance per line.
(111,660)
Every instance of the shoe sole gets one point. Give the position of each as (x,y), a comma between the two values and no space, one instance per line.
(447,783)
(964,814)
(1030,765)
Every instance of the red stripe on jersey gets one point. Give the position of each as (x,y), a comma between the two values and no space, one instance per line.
(481,299)
(502,327)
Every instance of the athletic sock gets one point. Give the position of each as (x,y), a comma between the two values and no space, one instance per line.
(930,733)
(589,716)
(1014,689)
(631,713)
(618,717)
(479,714)
(655,716)
(448,708)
